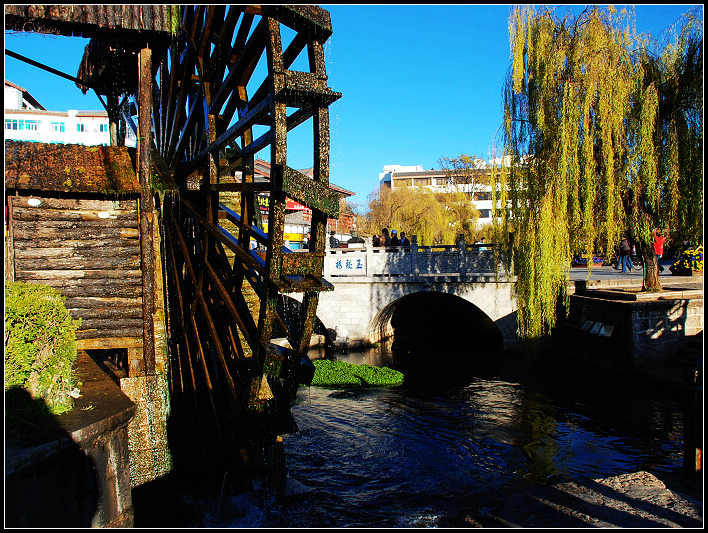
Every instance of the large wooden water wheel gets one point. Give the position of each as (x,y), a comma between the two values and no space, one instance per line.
(214,89)
(223,95)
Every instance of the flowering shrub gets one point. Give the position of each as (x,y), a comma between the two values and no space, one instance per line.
(583,260)
(689,260)
(40,344)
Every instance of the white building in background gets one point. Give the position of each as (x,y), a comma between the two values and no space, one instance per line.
(27,120)
(397,176)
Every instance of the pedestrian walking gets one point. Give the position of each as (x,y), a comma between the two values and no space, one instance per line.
(625,254)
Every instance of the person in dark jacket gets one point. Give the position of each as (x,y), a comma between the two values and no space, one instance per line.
(626,254)
(394,239)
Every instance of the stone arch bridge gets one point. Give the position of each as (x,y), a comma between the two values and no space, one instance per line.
(368,279)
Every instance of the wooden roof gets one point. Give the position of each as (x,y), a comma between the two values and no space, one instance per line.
(70,168)
(90,20)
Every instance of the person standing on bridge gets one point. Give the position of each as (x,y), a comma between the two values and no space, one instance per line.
(333,241)
(385,239)
(394,239)
(404,240)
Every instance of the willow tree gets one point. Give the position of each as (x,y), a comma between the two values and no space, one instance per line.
(590,155)
(436,218)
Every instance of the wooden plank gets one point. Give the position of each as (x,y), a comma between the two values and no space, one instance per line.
(312,20)
(110,343)
(87,20)
(83,244)
(61,225)
(36,214)
(108,312)
(103,290)
(311,193)
(78,263)
(79,204)
(41,235)
(104,252)
(105,275)
(110,323)
(102,334)
(101,302)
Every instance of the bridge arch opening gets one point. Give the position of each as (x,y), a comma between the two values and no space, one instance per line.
(437,334)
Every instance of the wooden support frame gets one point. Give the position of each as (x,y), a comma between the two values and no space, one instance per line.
(211,118)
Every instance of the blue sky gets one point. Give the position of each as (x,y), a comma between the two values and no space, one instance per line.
(418,83)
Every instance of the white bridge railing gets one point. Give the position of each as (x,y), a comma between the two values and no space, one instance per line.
(365,260)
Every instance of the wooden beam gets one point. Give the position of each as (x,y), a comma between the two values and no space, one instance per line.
(146,206)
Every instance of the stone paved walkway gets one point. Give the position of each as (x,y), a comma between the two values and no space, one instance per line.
(635,500)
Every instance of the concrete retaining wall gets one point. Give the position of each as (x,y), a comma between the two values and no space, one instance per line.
(645,328)
(76,473)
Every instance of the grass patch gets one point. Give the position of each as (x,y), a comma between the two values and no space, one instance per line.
(343,375)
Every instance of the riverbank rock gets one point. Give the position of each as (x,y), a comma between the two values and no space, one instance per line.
(638,499)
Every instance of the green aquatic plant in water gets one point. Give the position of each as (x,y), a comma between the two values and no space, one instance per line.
(340,375)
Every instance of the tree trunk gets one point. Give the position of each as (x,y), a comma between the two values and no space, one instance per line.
(651,268)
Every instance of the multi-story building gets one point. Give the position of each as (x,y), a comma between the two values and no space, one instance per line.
(27,120)
(479,190)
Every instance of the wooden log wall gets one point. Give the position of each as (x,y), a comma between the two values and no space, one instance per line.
(89,249)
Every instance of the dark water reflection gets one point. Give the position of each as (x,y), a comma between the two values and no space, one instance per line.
(413,456)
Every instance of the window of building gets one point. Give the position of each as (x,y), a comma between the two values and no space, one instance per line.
(80,127)
(401,182)
(103,128)
(58,126)
(20,124)
(478,196)
(485,213)
(421,182)
(442,181)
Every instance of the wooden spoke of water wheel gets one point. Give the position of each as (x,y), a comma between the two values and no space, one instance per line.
(224,92)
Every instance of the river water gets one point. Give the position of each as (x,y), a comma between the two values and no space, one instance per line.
(422,457)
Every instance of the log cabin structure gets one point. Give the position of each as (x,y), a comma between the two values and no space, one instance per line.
(213,87)
(72,214)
